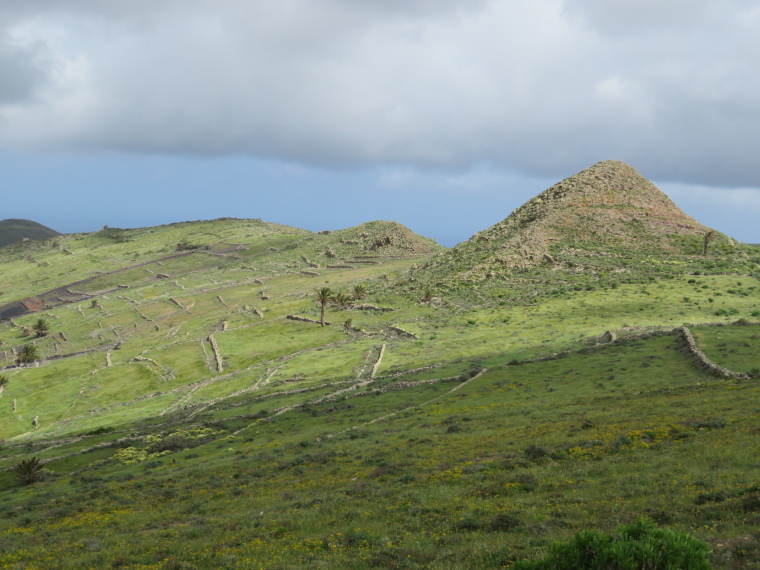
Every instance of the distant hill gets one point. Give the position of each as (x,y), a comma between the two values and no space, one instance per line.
(596,218)
(368,241)
(15,230)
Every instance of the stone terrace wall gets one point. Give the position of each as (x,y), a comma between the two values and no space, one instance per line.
(701,359)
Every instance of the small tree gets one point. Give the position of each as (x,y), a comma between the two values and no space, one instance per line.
(324,296)
(427,294)
(41,327)
(30,470)
(28,353)
(708,237)
(348,325)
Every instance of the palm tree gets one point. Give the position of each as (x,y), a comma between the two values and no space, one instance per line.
(708,237)
(348,325)
(342,300)
(30,470)
(324,296)
(28,353)
(360,291)
(41,328)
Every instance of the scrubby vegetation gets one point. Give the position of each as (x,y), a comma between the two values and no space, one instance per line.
(191,412)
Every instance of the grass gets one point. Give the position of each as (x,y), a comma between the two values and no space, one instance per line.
(734,346)
(410,490)
(511,422)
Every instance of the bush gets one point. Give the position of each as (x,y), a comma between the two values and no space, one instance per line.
(640,545)
(29,471)
(535,453)
(504,522)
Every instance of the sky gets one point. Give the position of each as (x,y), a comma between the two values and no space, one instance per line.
(443,115)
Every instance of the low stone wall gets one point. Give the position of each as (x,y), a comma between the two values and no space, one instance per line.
(304,319)
(217,354)
(309,273)
(366,307)
(401,332)
(377,363)
(705,363)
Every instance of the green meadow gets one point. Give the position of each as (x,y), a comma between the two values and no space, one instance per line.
(185,421)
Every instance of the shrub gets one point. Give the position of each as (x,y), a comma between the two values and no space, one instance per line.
(535,453)
(172,443)
(640,545)
(716,423)
(100,430)
(504,522)
(29,471)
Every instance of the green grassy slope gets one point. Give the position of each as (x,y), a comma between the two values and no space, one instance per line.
(188,423)
(416,470)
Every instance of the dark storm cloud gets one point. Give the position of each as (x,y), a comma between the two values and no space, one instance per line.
(545,87)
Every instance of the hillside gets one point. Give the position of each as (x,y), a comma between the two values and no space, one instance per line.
(192,412)
(602,226)
(14,230)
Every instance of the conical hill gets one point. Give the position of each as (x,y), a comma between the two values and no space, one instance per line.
(608,211)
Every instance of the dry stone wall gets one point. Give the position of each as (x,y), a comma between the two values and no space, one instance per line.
(401,332)
(705,363)
(304,319)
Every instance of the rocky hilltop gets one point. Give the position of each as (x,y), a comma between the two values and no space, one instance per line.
(372,240)
(606,211)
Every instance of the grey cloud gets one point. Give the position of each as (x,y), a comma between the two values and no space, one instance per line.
(537,86)
(22,70)
(648,16)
